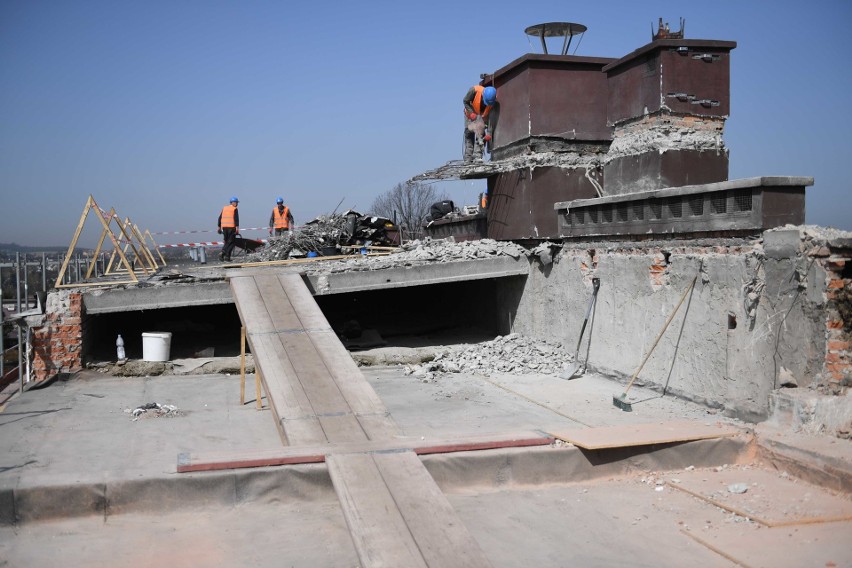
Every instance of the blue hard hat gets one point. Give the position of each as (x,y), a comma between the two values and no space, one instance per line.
(279,200)
(234,199)
(489,95)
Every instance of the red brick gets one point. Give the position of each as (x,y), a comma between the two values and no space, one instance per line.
(838,367)
(835,283)
(834,345)
(835,324)
(834,357)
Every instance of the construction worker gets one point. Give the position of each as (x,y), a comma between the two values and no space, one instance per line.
(477,105)
(229,228)
(483,200)
(281,218)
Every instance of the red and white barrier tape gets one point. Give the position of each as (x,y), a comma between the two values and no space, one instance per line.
(206,244)
(206,231)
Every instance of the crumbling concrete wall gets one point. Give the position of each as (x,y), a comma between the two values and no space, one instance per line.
(758,317)
(57,335)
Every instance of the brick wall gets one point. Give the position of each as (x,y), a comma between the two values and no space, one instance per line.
(58,338)
(838,356)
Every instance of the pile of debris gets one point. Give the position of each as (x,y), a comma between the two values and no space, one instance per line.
(154,410)
(429,250)
(326,234)
(510,354)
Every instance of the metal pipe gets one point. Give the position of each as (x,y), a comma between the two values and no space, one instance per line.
(18,281)
(26,285)
(20,360)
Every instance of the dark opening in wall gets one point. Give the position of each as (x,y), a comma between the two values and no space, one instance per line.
(420,315)
(732,321)
(407,316)
(193,329)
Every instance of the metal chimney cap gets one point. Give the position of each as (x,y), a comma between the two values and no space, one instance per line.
(556,29)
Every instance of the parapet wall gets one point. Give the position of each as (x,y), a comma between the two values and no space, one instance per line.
(763,314)
(57,337)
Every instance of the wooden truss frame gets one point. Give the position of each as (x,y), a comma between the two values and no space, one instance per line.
(105,219)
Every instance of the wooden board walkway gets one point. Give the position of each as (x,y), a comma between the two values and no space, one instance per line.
(395,512)
(315,389)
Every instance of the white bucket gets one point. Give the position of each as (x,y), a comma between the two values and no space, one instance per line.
(156,345)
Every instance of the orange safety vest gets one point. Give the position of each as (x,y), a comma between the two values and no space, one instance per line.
(228,217)
(483,201)
(477,102)
(282,220)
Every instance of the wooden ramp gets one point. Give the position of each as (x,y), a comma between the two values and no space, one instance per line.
(395,512)
(316,391)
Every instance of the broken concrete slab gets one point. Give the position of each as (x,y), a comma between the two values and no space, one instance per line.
(782,243)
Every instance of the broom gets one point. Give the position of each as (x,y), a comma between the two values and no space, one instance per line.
(621,401)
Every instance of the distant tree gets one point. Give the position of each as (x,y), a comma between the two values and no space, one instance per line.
(407,203)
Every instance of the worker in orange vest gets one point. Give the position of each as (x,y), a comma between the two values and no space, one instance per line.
(229,227)
(477,106)
(281,218)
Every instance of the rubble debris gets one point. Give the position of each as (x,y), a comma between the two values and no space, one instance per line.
(546,252)
(512,354)
(428,250)
(326,234)
(154,410)
(588,159)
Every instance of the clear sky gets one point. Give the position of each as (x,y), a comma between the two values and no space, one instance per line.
(164,109)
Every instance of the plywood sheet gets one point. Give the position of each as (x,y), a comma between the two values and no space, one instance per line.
(770,498)
(623,436)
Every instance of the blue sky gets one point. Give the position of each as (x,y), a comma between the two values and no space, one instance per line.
(164,109)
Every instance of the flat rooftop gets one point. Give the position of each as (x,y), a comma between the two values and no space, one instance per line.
(80,471)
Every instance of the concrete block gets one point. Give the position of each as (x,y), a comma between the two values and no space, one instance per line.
(782,244)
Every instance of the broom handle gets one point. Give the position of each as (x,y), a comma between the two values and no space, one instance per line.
(660,335)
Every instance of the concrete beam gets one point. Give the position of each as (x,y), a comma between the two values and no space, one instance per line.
(437,273)
(157,297)
(218,292)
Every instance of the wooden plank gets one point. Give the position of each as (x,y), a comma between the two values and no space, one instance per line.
(378,529)
(287,398)
(305,385)
(303,301)
(361,398)
(237,459)
(627,435)
(769,499)
(250,305)
(441,537)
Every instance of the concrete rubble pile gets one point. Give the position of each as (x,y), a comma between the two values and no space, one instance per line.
(428,250)
(510,354)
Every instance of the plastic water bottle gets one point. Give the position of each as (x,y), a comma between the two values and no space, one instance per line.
(119,347)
